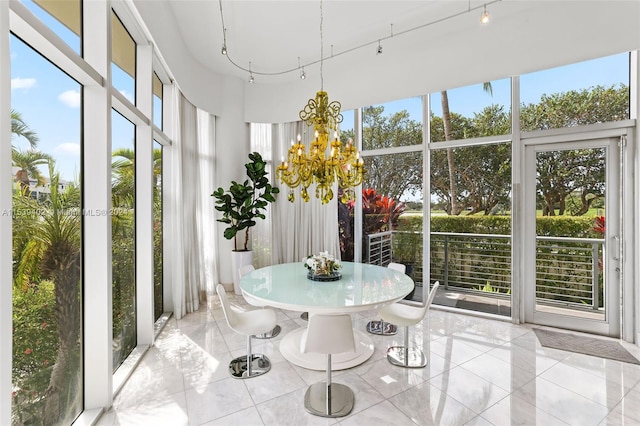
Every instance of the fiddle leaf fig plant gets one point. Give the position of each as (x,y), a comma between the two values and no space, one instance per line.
(245,202)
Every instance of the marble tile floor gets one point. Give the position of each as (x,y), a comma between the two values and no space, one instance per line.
(480,372)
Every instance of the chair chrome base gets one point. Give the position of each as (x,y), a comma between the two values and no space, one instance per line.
(408,358)
(339,404)
(269,334)
(260,364)
(381,328)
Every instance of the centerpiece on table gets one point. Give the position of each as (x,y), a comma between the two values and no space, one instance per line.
(323,267)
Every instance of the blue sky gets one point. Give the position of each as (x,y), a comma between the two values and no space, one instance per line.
(49,100)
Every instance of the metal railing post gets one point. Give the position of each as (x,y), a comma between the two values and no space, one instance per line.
(446,262)
(596,276)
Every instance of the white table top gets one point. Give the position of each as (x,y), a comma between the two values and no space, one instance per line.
(362,287)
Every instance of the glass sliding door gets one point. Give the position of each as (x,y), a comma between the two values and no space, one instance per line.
(572,236)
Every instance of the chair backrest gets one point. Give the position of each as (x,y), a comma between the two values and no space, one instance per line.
(329,334)
(229,314)
(398,267)
(245,269)
(432,295)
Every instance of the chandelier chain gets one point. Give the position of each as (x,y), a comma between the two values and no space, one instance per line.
(321,48)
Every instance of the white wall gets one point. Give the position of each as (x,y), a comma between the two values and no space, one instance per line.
(232,149)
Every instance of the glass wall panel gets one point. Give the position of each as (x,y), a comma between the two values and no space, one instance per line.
(589,92)
(123,67)
(123,237)
(157,101)
(157,230)
(471,227)
(47,384)
(64,17)
(392,209)
(397,123)
(471,111)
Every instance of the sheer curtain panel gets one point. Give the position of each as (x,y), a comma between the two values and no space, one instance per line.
(300,228)
(193,272)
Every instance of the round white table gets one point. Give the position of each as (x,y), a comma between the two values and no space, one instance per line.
(362,287)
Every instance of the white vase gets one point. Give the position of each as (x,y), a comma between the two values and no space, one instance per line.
(238,260)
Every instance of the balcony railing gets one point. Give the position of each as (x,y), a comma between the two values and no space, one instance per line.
(568,270)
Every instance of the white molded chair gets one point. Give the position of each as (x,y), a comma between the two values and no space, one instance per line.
(247,323)
(381,327)
(405,315)
(242,271)
(329,334)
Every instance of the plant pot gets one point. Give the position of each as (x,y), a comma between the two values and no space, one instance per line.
(238,260)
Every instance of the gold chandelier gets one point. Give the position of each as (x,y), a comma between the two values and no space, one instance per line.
(321,165)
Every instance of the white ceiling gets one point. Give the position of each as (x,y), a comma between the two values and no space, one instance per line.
(450,49)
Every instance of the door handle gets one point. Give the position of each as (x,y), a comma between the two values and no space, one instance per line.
(615,249)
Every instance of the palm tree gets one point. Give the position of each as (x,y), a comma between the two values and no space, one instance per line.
(456,207)
(28,162)
(123,177)
(20,129)
(54,248)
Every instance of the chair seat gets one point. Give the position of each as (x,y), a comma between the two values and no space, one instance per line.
(401,315)
(255,322)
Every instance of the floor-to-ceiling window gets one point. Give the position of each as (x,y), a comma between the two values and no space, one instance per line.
(158,307)
(47,385)
(123,223)
(392,197)
(470,195)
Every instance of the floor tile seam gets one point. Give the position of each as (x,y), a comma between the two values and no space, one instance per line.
(513,395)
(453,397)
(603,373)
(575,393)
(586,397)
(116,407)
(400,409)
(510,390)
(601,377)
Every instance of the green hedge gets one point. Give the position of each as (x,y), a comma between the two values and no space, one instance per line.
(547,226)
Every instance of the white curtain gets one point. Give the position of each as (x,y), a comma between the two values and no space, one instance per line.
(193,271)
(261,244)
(300,228)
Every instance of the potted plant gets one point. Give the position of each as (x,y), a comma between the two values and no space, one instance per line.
(241,205)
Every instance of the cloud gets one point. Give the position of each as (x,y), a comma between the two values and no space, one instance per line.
(68,148)
(22,83)
(70,98)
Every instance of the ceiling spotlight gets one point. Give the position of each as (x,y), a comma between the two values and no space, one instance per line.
(379,49)
(303,75)
(224,40)
(484,18)
(251,79)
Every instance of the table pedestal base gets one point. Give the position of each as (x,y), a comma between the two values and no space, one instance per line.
(290,349)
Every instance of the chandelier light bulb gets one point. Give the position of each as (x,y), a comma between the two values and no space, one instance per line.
(484,18)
